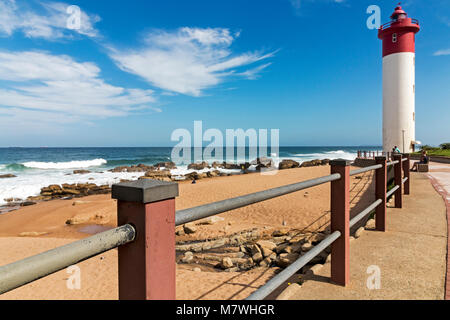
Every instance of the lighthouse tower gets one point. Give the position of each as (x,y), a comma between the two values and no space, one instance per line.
(398,38)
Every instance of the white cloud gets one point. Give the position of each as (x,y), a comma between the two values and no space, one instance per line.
(38,85)
(188,60)
(50,23)
(443,52)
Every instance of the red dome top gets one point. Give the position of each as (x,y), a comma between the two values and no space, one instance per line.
(399,12)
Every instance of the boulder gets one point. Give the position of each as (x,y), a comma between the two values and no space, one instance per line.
(311,163)
(167,165)
(212,174)
(285,259)
(189,228)
(216,164)
(317,237)
(162,175)
(257,257)
(192,176)
(307,246)
(226,263)
(188,257)
(267,247)
(359,232)
(288,164)
(212,220)
(27,203)
(370,224)
(198,166)
(81,171)
(231,166)
(8,175)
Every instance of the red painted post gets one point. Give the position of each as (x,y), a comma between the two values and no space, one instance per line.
(340,221)
(147,265)
(365,154)
(380,193)
(406,170)
(398,180)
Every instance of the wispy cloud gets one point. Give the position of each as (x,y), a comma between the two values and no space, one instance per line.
(44,87)
(50,21)
(443,52)
(188,60)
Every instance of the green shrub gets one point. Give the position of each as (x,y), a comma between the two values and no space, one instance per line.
(445,146)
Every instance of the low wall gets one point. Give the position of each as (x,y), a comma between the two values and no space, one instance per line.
(440,159)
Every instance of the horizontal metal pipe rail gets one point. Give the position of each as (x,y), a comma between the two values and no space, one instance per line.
(365,212)
(404,180)
(21,272)
(404,159)
(207,210)
(391,163)
(390,192)
(365,169)
(284,275)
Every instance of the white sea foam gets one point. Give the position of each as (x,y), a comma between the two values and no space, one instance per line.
(65,165)
(30,184)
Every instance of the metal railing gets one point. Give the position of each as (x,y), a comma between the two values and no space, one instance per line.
(207,210)
(147,197)
(390,23)
(24,271)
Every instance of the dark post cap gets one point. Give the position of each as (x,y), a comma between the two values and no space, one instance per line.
(397,155)
(144,190)
(380,158)
(340,162)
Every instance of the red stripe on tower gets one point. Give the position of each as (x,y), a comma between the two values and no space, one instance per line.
(398,35)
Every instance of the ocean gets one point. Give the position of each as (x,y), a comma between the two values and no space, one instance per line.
(35,168)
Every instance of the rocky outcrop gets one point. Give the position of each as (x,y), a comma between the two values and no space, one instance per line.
(8,175)
(167,165)
(198,166)
(134,168)
(162,175)
(262,163)
(81,171)
(250,249)
(314,163)
(70,190)
(288,164)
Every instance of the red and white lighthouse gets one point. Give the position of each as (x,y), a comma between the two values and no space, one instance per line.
(398,38)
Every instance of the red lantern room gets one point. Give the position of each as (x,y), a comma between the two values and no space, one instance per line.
(398,35)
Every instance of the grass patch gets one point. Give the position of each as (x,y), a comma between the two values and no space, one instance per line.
(443,150)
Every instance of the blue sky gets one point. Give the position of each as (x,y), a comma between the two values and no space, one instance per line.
(134,71)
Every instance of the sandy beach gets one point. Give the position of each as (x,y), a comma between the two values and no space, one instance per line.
(41,227)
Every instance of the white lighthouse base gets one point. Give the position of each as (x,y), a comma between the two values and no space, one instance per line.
(399,101)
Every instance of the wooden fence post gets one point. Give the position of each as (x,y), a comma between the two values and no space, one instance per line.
(147,265)
(398,180)
(340,221)
(380,193)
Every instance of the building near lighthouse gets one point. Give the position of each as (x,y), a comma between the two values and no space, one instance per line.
(398,37)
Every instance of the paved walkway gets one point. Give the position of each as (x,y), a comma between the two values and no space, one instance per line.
(440,179)
(411,256)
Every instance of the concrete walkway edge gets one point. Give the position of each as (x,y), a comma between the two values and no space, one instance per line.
(446,196)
